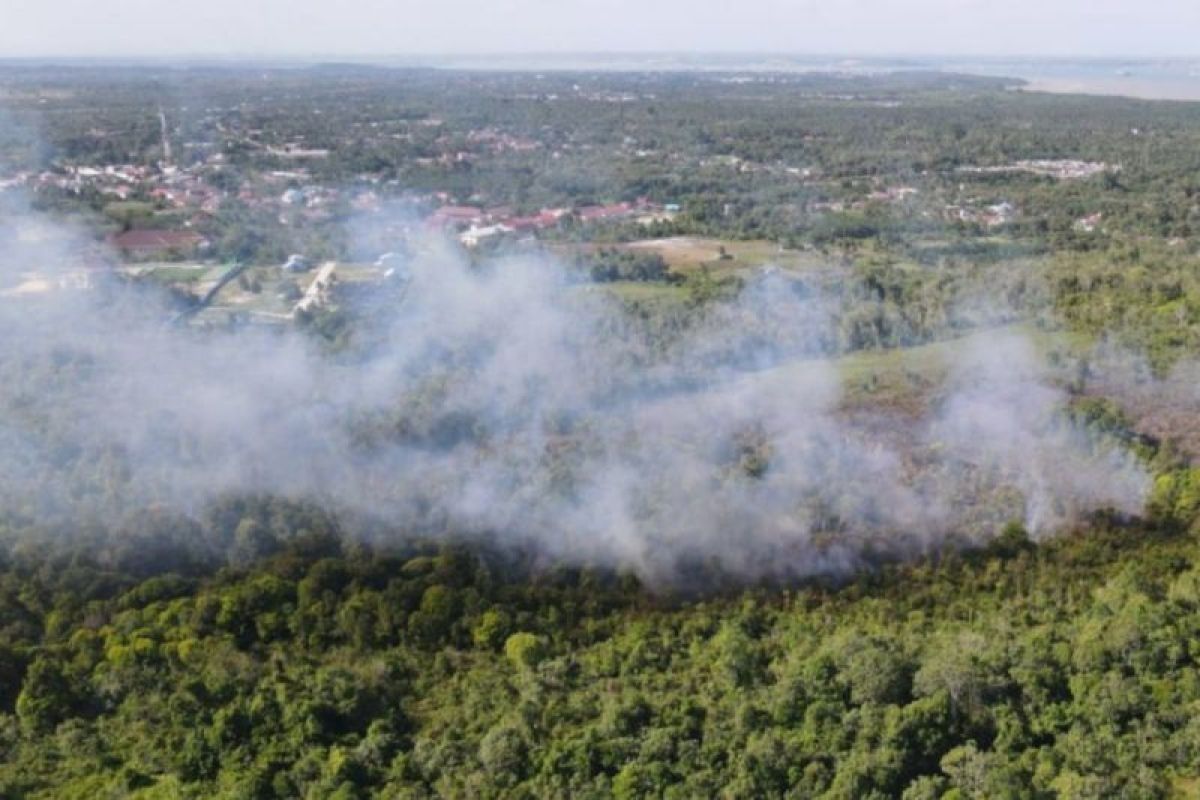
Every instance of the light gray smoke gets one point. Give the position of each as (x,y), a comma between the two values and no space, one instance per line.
(1003,417)
(1165,406)
(509,404)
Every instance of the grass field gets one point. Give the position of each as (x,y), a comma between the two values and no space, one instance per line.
(181,273)
(687,253)
(270,294)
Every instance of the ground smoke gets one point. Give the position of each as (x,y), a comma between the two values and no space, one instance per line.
(509,404)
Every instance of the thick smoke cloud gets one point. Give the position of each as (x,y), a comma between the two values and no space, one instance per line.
(508,404)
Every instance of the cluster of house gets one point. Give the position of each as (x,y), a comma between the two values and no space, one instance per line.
(499,141)
(475,225)
(989,216)
(176,187)
(189,187)
(119,181)
(1089,223)
(889,194)
(308,196)
(311,202)
(1057,168)
(454,150)
(295,197)
(893,194)
(298,150)
(183,188)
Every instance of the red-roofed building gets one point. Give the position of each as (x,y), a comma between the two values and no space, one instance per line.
(597,213)
(456,216)
(543,219)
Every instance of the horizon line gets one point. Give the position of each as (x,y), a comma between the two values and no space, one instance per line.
(317,57)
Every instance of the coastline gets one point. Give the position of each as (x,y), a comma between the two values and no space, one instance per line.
(1179,90)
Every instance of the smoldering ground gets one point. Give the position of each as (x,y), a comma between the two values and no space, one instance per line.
(1165,406)
(503,403)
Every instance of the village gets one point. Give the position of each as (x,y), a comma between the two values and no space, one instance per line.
(220,291)
(188,196)
(308,207)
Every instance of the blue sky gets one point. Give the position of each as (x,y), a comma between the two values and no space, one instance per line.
(376,27)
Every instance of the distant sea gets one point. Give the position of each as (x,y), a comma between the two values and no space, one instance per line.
(1158,79)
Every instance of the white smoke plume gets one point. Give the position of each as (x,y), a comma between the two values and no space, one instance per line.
(508,404)
(1004,418)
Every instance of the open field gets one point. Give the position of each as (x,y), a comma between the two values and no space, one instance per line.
(685,253)
(181,273)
